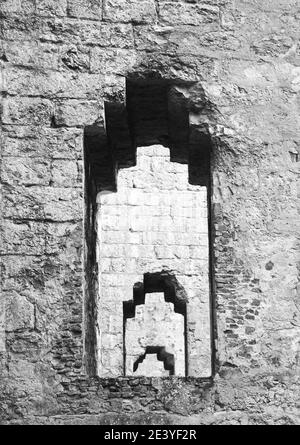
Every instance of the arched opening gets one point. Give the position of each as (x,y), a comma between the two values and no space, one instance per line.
(163,192)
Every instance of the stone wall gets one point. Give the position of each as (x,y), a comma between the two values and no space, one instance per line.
(156,221)
(60,62)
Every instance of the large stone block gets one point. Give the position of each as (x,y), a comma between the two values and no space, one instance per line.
(19,313)
(88,9)
(172,13)
(18,27)
(78,113)
(38,238)
(56,84)
(23,238)
(117,61)
(143,11)
(87,33)
(65,239)
(198,40)
(31,53)
(38,203)
(22,171)
(65,174)
(75,58)
(155,37)
(50,8)
(33,142)
(17,6)
(27,111)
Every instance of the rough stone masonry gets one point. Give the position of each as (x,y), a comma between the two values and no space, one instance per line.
(85,86)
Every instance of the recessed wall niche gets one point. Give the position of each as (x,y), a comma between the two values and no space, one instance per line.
(148,303)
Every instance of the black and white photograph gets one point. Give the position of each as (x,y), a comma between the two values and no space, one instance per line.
(149,215)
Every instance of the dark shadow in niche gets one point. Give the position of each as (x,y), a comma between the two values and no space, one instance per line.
(155,112)
(99,175)
(167,283)
(163,281)
(162,356)
(158,114)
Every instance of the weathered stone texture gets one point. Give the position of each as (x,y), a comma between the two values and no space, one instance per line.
(60,61)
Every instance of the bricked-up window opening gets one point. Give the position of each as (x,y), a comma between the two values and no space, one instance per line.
(150,216)
(156,315)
